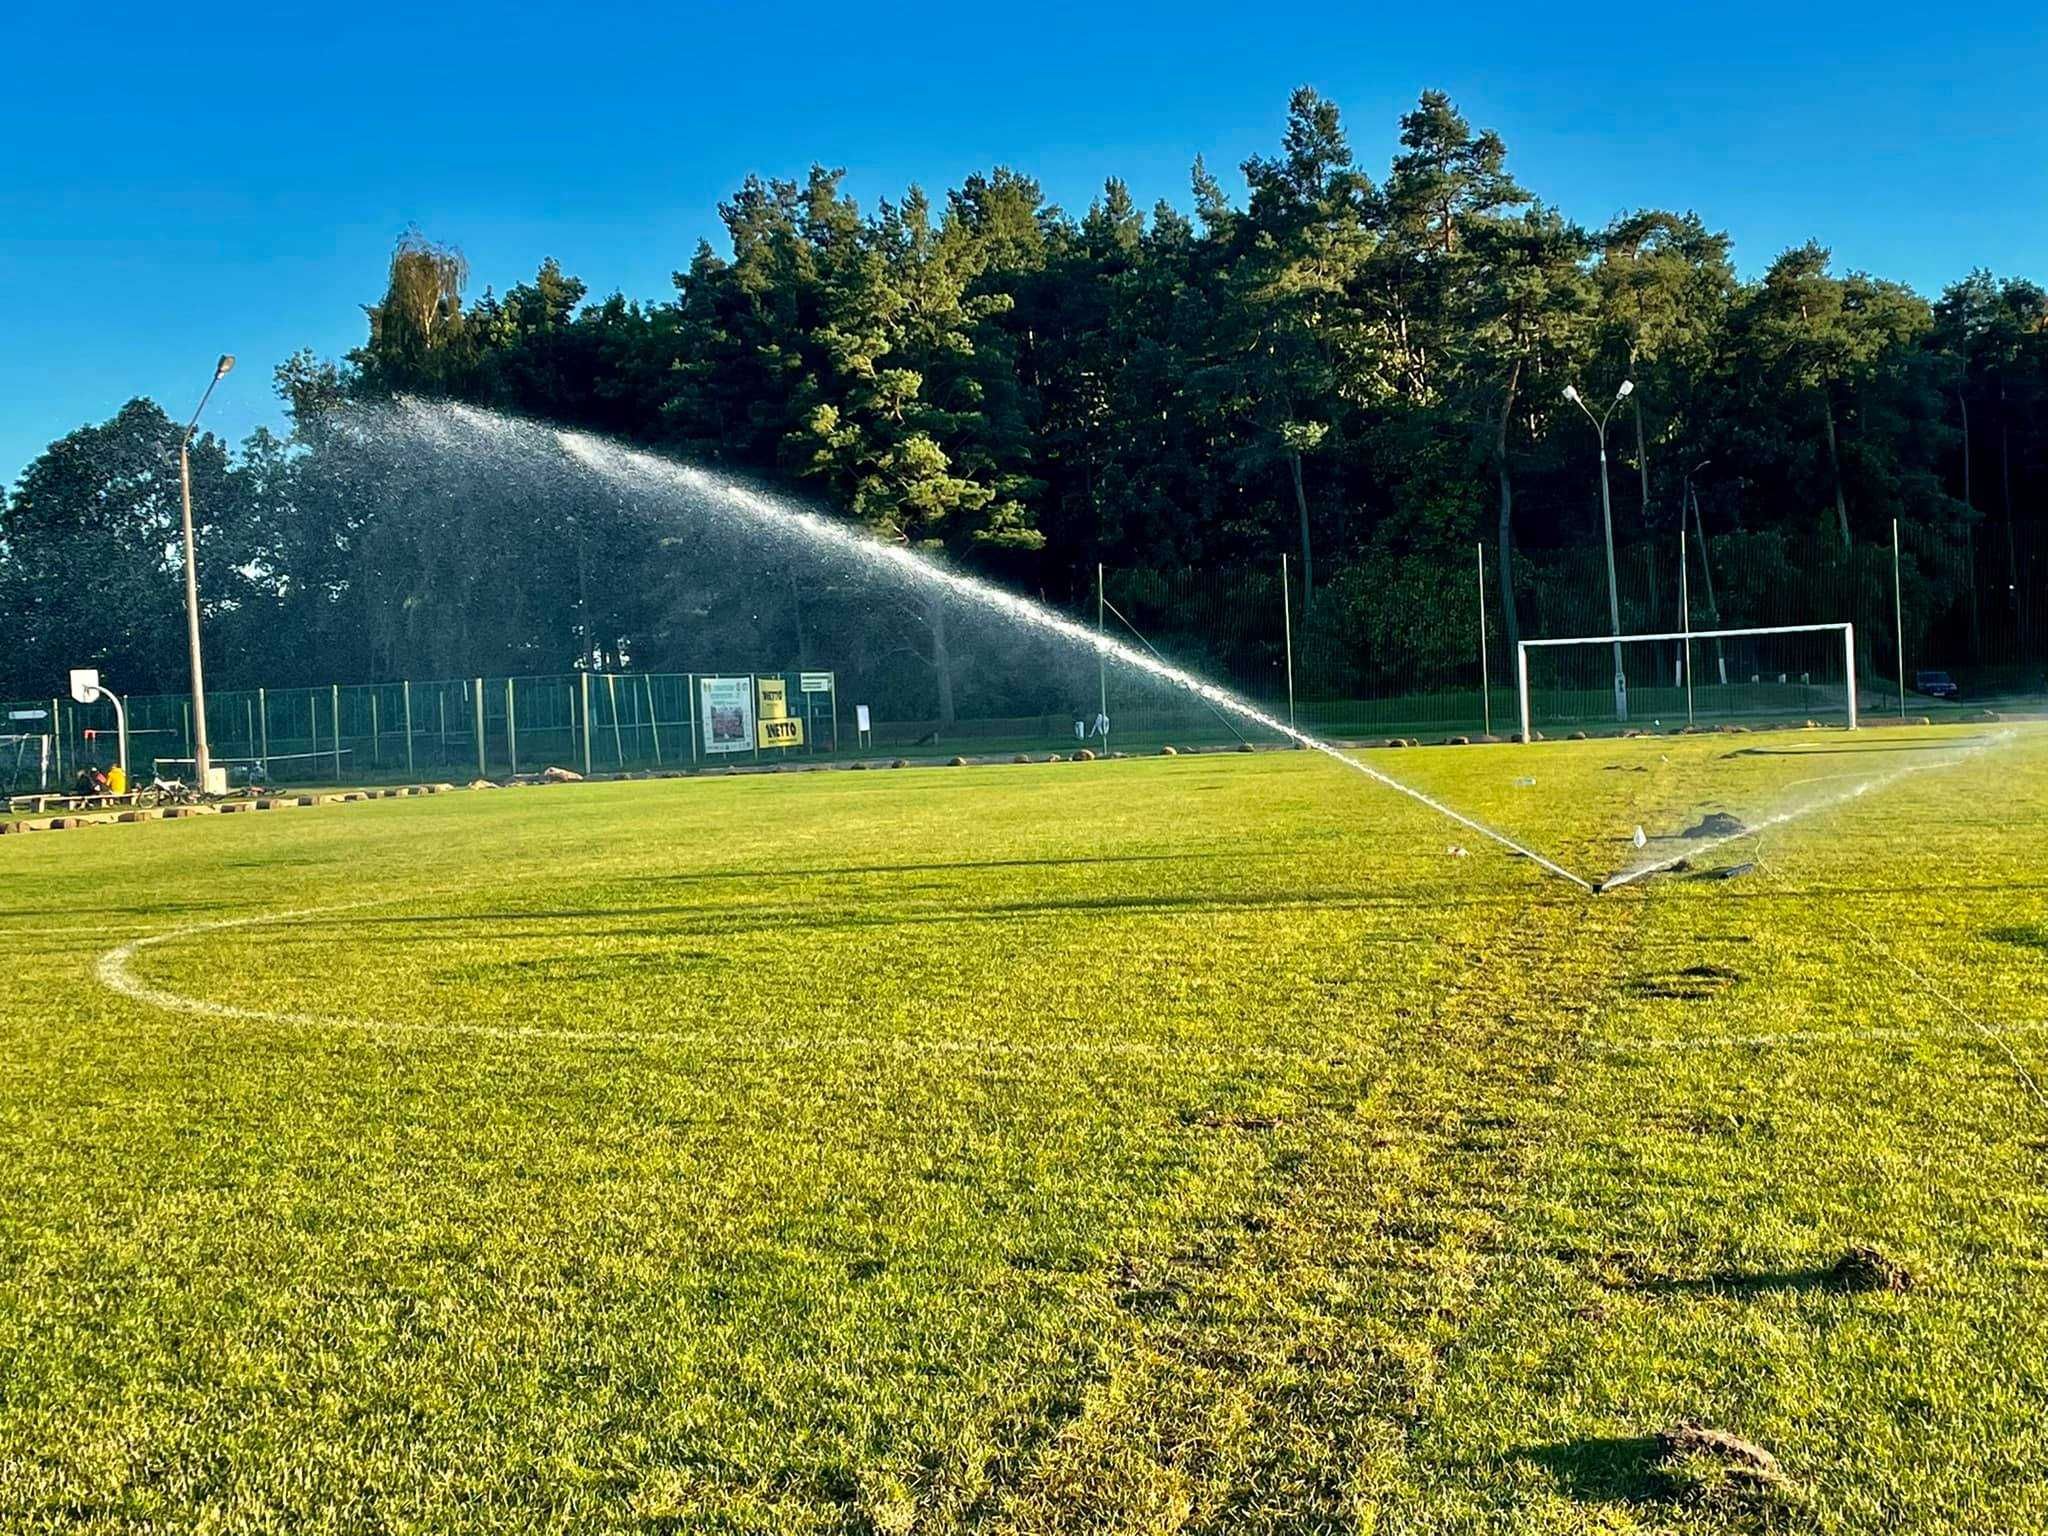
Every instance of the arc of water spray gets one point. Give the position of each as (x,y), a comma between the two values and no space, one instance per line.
(611,459)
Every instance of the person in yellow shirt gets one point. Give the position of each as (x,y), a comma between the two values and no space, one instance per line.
(117,780)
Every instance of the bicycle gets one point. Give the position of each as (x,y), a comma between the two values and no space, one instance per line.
(162,792)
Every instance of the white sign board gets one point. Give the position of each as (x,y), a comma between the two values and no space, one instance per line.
(726,705)
(860,718)
(85,684)
(28,714)
(814,682)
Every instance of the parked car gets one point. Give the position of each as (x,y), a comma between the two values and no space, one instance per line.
(1936,685)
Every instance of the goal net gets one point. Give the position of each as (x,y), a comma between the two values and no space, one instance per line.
(1617,682)
(27,762)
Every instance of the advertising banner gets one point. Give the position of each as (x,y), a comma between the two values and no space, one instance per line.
(727,705)
(776,727)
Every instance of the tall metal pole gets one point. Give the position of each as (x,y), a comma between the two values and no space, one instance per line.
(1485,687)
(1613,588)
(202,758)
(611,693)
(1685,608)
(583,689)
(1287,631)
(1571,393)
(1101,658)
(1899,618)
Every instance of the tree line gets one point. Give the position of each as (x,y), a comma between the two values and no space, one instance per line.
(1367,373)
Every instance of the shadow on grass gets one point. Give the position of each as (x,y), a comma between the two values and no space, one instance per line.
(803,872)
(2026,938)
(674,921)
(1948,745)
(1603,1468)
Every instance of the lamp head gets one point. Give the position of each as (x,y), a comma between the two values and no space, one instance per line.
(221,368)
(1571,393)
(1627,389)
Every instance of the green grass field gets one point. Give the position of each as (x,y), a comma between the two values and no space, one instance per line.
(1179,1144)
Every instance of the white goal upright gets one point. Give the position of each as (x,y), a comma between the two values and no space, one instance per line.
(1769,670)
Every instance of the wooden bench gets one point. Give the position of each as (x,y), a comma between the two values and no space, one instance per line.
(37,805)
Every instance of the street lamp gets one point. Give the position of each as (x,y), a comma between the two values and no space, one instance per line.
(1571,393)
(202,759)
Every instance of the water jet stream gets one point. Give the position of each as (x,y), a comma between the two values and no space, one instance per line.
(632,468)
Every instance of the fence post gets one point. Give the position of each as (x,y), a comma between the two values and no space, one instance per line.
(482,768)
(511,731)
(583,687)
(1287,633)
(1899,619)
(653,718)
(185,712)
(57,736)
(690,709)
(611,694)
(1485,688)
(376,737)
(1685,611)
(835,713)
(263,726)
(1101,656)
(405,693)
(335,702)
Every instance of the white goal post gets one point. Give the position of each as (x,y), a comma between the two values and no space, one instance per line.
(1688,638)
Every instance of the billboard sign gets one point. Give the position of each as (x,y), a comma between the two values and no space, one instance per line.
(727,707)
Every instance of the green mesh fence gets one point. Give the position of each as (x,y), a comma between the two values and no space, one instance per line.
(1411,644)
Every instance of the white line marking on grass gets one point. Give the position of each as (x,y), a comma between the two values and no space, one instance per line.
(113,971)
(1795,1037)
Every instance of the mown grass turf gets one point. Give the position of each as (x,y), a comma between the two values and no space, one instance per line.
(1184,1144)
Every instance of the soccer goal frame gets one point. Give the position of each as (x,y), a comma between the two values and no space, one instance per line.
(1688,637)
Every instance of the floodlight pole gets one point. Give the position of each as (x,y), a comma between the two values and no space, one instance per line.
(1571,393)
(202,759)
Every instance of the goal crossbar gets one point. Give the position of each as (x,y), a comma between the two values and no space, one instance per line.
(1689,637)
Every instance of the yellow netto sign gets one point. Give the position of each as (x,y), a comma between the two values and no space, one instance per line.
(780,733)
(772,695)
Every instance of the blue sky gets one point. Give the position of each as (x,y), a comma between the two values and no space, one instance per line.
(234,182)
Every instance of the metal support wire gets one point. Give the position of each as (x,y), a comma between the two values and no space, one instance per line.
(1127,624)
